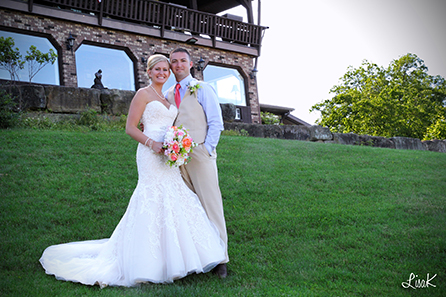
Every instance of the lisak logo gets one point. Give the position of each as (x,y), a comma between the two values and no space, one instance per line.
(415,283)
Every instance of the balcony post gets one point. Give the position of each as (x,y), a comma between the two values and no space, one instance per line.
(100,13)
(163,20)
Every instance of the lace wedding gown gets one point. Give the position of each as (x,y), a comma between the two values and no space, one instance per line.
(164,234)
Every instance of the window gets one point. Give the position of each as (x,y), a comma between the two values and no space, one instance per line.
(228,83)
(49,74)
(117,67)
(171,81)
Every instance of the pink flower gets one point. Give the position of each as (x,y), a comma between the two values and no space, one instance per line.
(173,157)
(176,147)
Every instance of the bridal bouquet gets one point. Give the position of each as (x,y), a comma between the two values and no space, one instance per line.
(178,144)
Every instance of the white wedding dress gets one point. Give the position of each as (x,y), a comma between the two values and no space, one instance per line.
(164,234)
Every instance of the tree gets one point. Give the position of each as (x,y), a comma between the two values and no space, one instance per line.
(37,60)
(10,57)
(269,118)
(401,100)
(437,130)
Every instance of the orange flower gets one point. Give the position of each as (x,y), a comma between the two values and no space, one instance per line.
(187,143)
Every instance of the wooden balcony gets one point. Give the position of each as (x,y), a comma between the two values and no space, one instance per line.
(164,17)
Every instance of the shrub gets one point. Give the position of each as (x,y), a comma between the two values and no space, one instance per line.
(101,122)
(8,111)
(242,132)
(86,121)
(89,118)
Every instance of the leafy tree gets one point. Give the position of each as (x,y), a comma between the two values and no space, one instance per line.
(10,57)
(437,130)
(401,100)
(37,60)
(269,118)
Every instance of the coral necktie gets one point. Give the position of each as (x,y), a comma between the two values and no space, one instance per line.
(177,95)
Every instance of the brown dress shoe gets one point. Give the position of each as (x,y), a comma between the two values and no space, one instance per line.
(221,270)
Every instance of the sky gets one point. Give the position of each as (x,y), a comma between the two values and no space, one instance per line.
(310,44)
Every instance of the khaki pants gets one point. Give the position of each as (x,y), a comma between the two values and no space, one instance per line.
(201,176)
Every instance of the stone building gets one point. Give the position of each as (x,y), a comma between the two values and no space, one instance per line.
(117,36)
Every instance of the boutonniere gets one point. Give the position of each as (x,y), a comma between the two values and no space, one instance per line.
(193,86)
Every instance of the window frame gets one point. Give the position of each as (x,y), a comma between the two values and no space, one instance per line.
(242,73)
(53,42)
(114,47)
(243,112)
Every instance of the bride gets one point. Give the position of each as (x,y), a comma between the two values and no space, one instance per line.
(164,234)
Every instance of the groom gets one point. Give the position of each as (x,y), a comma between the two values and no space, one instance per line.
(200,113)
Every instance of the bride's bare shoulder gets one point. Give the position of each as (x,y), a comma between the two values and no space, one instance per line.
(143,91)
(143,94)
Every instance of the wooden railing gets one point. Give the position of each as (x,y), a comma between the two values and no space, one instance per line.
(164,16)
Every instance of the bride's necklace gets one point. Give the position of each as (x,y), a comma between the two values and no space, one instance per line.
(157,92)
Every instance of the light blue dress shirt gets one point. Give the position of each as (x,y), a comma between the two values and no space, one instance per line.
(208,99)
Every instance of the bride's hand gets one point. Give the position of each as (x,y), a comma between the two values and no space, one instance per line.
(157,147)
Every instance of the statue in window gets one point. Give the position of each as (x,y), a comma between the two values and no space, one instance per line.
(98,80)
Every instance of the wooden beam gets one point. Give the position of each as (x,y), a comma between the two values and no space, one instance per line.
(247,4)
(193,4)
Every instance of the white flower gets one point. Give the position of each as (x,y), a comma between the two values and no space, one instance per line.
(193,86)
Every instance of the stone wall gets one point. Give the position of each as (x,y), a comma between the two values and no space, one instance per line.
(323,134)
(70,100)
(59,100)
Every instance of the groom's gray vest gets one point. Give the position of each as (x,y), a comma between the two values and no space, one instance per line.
(190,114)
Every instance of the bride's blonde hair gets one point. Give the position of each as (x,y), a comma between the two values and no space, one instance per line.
(155,59)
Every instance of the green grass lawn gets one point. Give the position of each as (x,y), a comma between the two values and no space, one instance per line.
(303,218)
